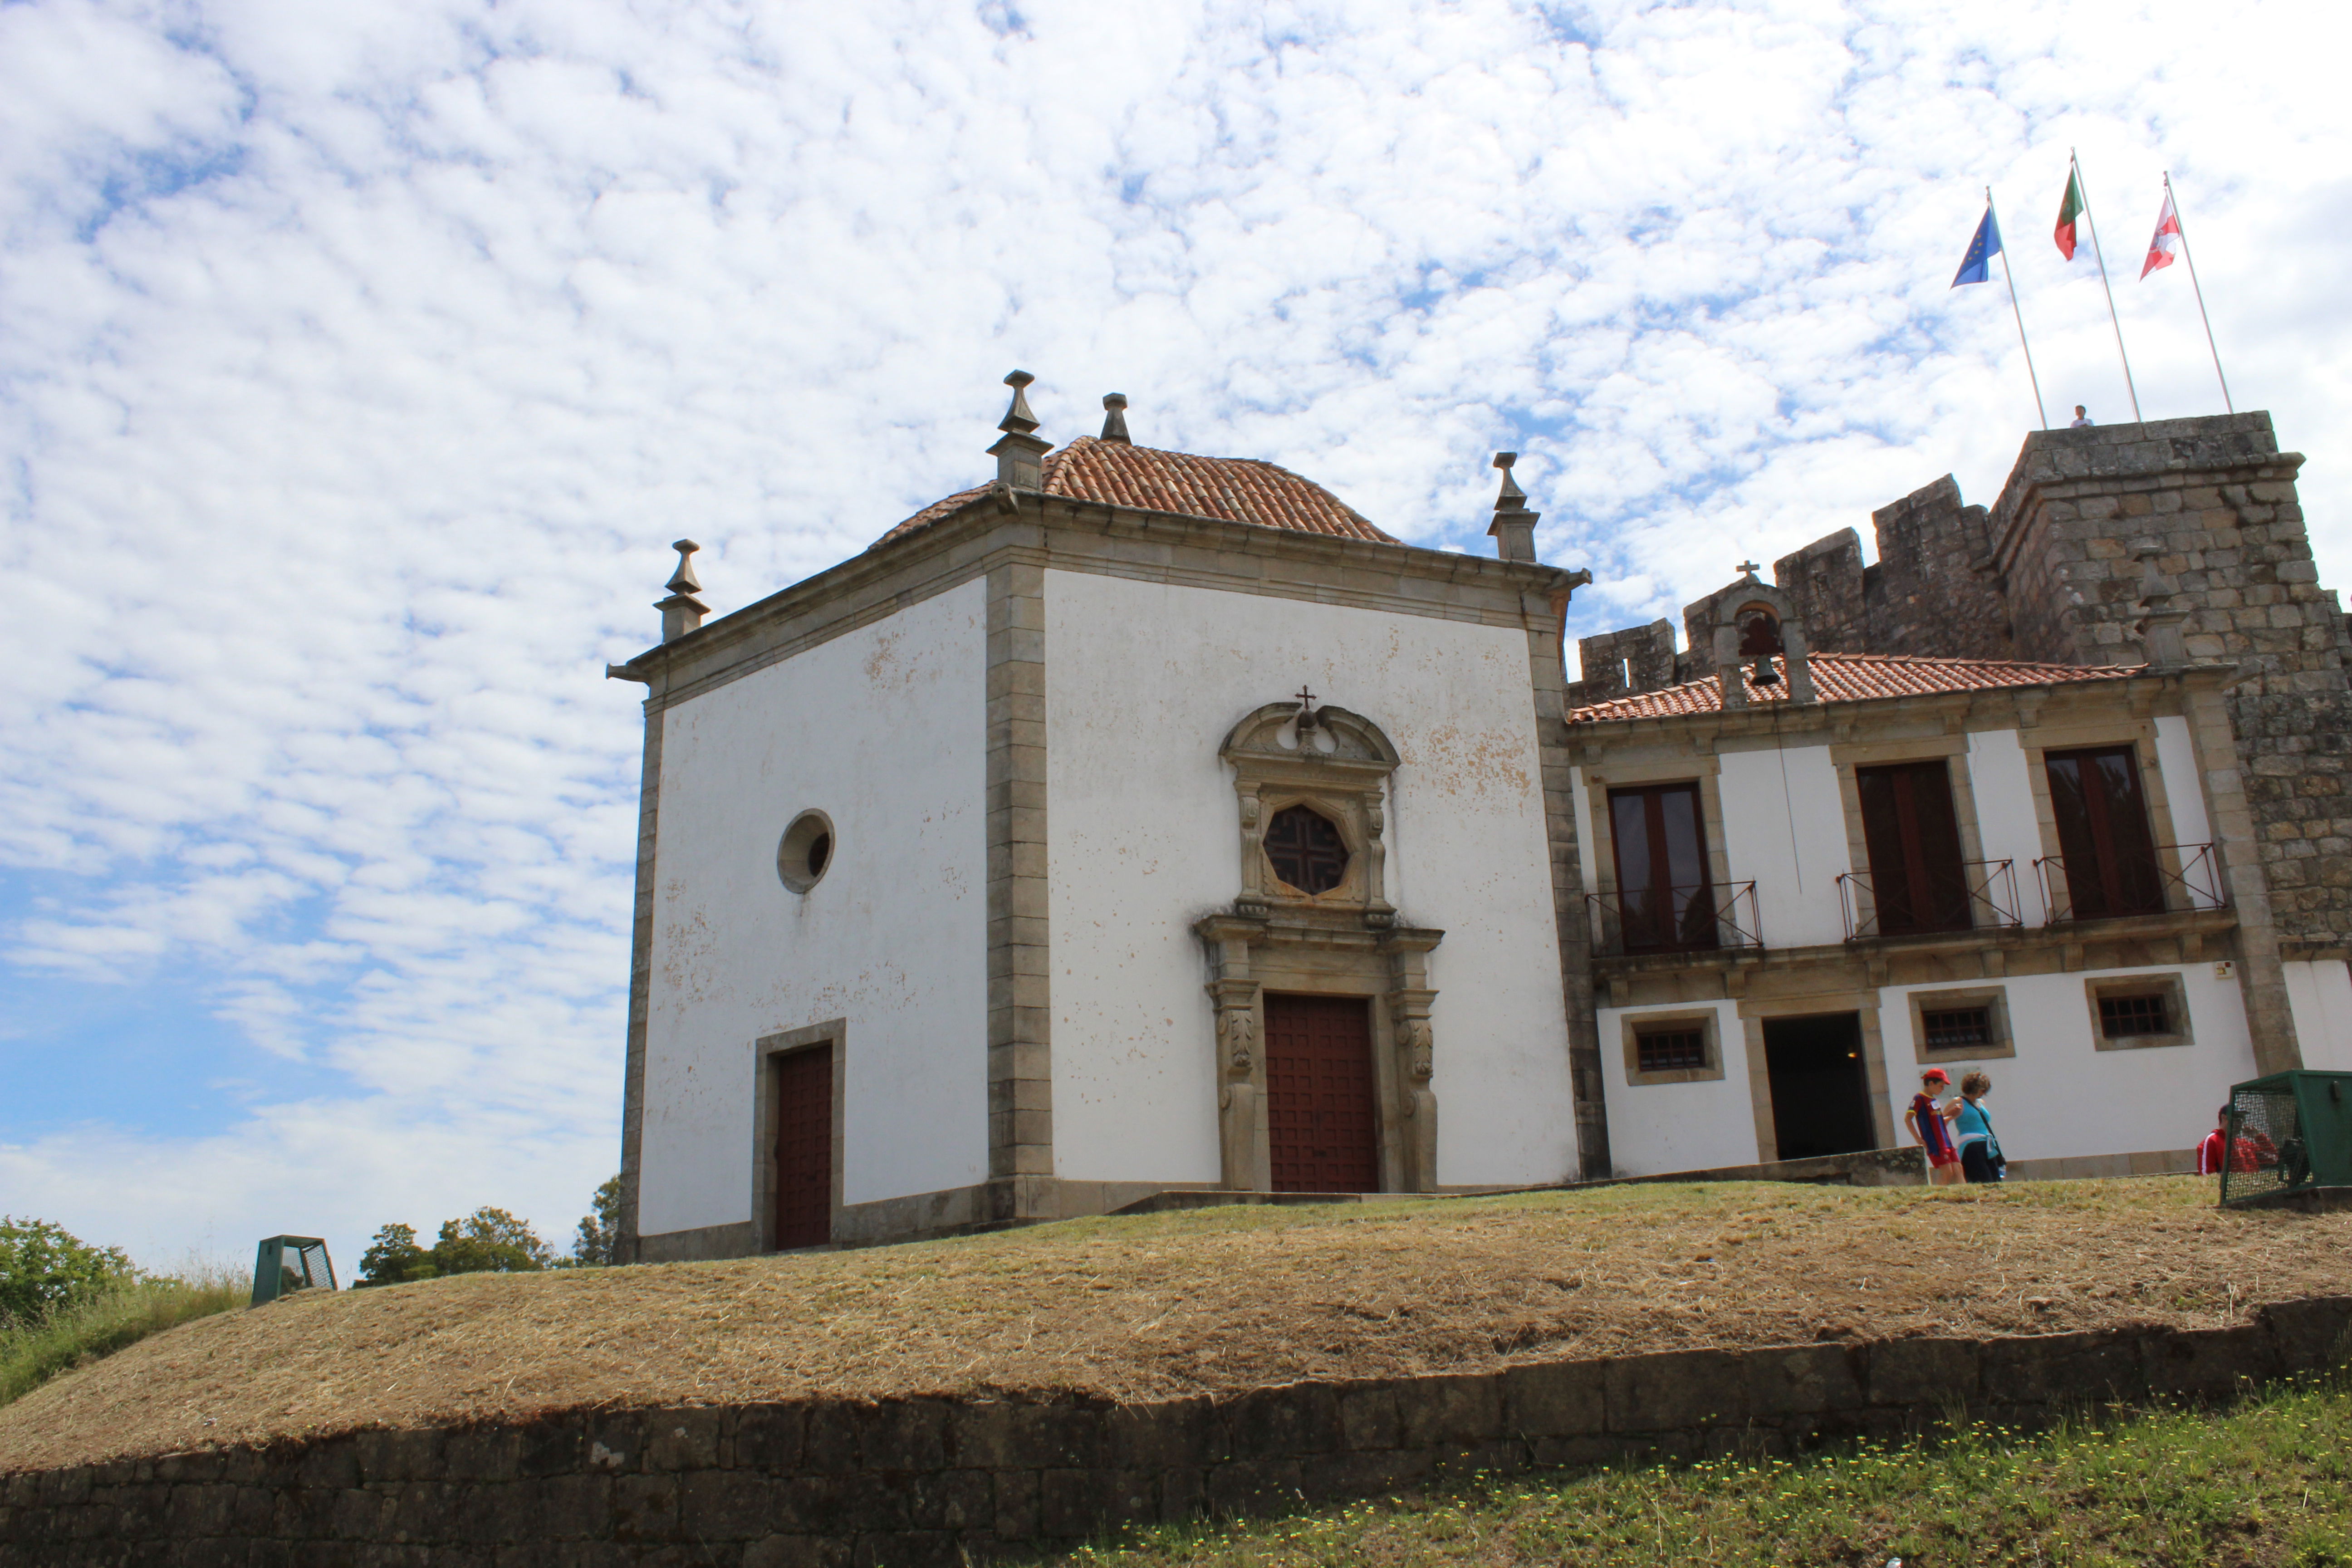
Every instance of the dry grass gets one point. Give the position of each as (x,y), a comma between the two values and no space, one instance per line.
(1219,1300)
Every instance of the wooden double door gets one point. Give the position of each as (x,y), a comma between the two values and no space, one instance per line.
(1322,1110)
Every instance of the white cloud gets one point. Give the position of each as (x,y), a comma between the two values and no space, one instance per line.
(363,360)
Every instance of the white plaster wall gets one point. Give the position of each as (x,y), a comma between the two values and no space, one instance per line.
(1654,1128)
(884,729)
(2061,1095)
(2184,782)
(1143,682)
(2319,990)
(1784,826)
(2006,827)
(1586,846)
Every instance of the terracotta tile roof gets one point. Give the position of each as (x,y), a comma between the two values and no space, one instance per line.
(1853,677)
(1237,489)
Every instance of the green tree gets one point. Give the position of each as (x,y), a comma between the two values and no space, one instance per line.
(600,1228)
(393,1257)
(43,1266)
(490,1241)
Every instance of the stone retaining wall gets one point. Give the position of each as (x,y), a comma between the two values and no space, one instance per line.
(918,1481)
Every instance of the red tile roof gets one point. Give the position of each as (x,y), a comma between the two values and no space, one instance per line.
(1236,489)
(1853,677)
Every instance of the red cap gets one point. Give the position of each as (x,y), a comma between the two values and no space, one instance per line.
(1939,1074)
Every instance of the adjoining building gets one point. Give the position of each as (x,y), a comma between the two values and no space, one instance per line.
(1144,822)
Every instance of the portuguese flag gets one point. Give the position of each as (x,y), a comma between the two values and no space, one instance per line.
(2069,210)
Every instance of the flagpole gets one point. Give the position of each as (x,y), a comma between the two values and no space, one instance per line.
(2039,407)
(2116,321)
(2185,255)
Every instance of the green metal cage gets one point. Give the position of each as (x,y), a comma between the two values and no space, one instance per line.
(2289,1132)
(289,1263)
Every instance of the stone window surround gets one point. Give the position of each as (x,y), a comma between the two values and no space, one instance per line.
(2164,982)
(2137,732)
(1705,771)
(1993,999)
(1632,1026)
(830,1036)
(1348,791)
(1753,1012)
(1847,758)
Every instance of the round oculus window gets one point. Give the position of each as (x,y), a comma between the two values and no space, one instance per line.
(807,851)
(1306,849)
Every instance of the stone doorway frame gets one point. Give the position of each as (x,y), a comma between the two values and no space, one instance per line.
(1342,942)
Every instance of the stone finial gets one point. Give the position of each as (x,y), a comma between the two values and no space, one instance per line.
(1017,419)
(1514,528)
(1747,571)
(683,580)
(1114,418)
(682,612)
(1019,454)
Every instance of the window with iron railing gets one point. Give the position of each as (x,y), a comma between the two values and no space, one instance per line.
(2104,843)
(1919,879)
(1664,897)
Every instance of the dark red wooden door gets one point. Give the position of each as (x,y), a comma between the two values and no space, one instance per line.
(1318,1087)
(805,1148)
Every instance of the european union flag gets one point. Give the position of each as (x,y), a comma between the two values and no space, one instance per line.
(1977,266)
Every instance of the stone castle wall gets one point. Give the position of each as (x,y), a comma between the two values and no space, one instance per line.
(913,1482)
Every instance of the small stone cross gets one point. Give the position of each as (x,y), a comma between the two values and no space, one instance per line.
(1748,567)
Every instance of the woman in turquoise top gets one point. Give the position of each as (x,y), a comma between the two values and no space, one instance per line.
(1973,1128)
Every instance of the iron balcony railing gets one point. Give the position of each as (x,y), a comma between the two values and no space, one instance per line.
(1695,918)
(1990,887)
(2143,885)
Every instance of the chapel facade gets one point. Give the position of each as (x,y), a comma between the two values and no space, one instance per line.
(1142,825)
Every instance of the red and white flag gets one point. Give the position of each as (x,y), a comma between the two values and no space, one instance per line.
(2167,236)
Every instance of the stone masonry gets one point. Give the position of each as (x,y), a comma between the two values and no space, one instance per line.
(913,1482)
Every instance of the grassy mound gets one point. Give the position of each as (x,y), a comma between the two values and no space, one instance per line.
(2269,1483)
(1158,1306)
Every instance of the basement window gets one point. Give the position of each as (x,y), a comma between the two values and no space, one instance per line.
(2133,1012)
(1672,1050)
(2122,1017)
(1956,1028)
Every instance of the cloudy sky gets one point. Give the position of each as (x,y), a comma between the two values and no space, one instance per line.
(359,361)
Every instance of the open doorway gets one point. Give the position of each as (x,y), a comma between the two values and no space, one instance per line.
(1821,1088)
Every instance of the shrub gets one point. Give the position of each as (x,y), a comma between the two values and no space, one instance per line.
(44,1267)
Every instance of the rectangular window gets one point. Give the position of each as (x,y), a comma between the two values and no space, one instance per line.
(1918,879)
(2121,1018)
(1956,1028)
(1664,900)
(2104,843)
(1672,1050)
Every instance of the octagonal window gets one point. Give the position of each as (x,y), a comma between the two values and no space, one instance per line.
(1307,849)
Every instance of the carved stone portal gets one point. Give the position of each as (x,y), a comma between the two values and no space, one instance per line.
(1337,936)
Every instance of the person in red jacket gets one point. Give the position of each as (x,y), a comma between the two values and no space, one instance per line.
(2250,1152)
